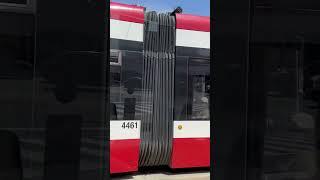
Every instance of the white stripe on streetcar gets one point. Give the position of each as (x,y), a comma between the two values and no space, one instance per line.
(191,129)
(196,39)
(117,132)
(126,30)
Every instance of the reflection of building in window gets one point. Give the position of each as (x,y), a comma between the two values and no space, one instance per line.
(14,1)
(316,81)
(125,85)
(200,106)
(303,120)
(18,6)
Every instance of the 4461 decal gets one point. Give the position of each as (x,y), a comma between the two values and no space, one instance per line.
(129,125)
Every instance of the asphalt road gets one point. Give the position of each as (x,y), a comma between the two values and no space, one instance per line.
(204,175)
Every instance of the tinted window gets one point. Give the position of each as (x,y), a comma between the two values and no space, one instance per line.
(283,97)
(16,94)
(125,86)
(199,84)
(14,1)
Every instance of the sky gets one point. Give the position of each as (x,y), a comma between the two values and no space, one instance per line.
(196,7)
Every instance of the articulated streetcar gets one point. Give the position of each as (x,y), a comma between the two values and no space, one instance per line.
(159,89)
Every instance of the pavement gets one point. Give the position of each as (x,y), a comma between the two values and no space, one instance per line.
(166,176)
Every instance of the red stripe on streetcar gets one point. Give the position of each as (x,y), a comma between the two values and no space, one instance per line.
(192,22)
(190,152)
(124,155)
(126,12)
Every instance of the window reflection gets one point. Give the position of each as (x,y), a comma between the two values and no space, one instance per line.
(125,85)
(199,72)
(14,1)
(16,82)
(55,100)
(288,104)
(192,86)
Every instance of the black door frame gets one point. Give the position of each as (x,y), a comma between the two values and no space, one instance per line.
(230,43)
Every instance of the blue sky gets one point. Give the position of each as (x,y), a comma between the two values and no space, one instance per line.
(196,7)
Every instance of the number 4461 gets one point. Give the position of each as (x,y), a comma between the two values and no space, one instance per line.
(129,125)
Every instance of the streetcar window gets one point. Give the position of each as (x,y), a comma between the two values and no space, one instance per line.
(115,57)
(14,1)
(125,85)
(181,88)
(199,79)
(192,86)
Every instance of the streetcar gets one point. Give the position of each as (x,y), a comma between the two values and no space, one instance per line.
(159,89)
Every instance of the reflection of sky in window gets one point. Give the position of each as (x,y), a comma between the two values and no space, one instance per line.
(196,7)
